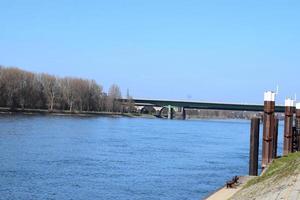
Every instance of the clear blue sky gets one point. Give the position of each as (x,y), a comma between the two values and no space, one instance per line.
(229,51)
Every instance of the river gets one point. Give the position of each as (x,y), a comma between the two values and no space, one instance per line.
(59,157)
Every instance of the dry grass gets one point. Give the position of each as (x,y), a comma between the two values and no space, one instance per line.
(280,168)
(277,181)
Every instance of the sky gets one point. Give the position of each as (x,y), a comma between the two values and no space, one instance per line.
(220,51)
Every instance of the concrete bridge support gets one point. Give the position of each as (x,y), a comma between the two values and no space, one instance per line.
(170,112)
(183,114)
(148,110)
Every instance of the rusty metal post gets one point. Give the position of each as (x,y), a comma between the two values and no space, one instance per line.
(254,146)
(294,140)
(288,126)
(275,138)
(269,109)
(297,125)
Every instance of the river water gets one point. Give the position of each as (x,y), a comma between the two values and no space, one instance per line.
(56,157)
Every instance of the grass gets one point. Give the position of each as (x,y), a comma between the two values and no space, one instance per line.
(279,168)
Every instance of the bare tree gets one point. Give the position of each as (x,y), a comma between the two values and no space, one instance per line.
(80,88)
(12,78)
(104,102)
(67,92)
(38,98)
(2,88)
(50,89)
(129,103)
(114,96)
(27,92)
(94,98)
(19,88)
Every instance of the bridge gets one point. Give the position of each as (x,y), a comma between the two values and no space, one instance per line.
(180,106)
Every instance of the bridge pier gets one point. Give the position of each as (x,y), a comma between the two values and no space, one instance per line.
(148,110)
(170,112)
(183,113)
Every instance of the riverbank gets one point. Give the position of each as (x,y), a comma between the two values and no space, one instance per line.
(281,180)
(26,111)
(227,193)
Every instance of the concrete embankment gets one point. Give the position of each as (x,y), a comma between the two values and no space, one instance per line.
(281,180)
(227,193)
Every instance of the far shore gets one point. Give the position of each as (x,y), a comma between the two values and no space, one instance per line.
(28,111)
(4,110)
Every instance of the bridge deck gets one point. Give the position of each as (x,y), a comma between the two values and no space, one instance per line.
(206,105)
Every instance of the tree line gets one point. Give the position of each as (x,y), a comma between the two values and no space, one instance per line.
(23,89)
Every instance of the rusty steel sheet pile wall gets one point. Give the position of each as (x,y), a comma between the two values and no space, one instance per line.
(254,146)
(288,126)
(297,125)
(275,138)
(268,129)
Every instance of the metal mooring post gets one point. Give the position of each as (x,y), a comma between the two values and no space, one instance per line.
(269,109)
(288,126)
(275,138)
(297,124)
(254,146)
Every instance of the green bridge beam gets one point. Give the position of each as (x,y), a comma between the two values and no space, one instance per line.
(205,105)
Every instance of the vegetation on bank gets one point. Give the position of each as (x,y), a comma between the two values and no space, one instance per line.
(281,180)
(23,89)
(280,168)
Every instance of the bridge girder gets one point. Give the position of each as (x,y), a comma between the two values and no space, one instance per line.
(206,105)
